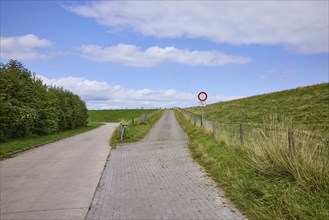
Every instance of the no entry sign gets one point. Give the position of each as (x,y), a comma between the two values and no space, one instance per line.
(202,96)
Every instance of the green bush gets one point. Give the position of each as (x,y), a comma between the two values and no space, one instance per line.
(30,108)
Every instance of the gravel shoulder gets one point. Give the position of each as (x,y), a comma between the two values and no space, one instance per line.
(157,178)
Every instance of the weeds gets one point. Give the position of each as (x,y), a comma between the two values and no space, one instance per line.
(260,186)
(307,163)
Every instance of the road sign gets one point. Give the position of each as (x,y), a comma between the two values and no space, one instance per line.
(202,96)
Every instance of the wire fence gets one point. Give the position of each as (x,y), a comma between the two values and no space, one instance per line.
(135,121)
(248,134)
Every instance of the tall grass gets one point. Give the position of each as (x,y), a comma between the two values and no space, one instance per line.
(307,163)
(261,177)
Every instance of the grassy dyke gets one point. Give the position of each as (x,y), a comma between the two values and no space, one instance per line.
(116,115)
(135,132)
(307,106)
(258,195)
(8,149)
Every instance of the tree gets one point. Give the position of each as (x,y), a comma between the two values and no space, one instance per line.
(29,107)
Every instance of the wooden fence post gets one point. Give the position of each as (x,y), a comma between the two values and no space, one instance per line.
(241,134)
(133,121)
(214,127)
(291,141)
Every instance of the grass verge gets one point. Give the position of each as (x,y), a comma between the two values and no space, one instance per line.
(135,132)
(8,149)
(117,115)
(257,195)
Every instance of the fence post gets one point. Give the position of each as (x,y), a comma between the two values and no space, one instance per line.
(291,141)
(241,134)
(194,118)
(133,121)
(214,128)
(122,130)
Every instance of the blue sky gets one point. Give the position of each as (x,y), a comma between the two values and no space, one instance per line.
(127,54)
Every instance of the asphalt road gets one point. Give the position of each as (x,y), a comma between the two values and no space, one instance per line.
(57,180)
(157,178)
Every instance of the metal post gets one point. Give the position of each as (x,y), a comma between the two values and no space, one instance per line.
(202,115)
(122,130)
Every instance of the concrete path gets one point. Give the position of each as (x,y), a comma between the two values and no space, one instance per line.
(157,179)
(57,180)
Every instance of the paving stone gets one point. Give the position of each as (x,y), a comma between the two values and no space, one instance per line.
(157,178)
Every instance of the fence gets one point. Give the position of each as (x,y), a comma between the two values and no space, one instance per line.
(247,134)
(135,121)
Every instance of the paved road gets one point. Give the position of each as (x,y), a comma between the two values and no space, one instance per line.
(57,180)
(157,179)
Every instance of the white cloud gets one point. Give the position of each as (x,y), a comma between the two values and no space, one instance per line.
(26,47)
(272,74)
(133,56)
(102,95)
(298,25)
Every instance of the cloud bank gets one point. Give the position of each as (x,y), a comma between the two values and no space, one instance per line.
(298,25)
(26,47)
(102,95)
(131,55)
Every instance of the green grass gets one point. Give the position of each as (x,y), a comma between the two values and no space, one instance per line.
(308,106)
(266,140)
(258,195)
(137,131)
(9,148)
(116,115)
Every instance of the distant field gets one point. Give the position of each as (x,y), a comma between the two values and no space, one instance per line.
(116,115)
(308,106)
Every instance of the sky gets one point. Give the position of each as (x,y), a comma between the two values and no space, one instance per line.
(150,54)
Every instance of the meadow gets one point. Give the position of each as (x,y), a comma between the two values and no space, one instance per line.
(270,153)
(307,106)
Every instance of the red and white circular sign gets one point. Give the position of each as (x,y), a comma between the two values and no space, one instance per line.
(202,96)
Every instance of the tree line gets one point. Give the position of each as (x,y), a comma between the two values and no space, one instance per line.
(28,107)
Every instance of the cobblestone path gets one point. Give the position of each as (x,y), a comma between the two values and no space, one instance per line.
(156,178)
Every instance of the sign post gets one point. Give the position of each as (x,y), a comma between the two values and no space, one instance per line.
(202,96)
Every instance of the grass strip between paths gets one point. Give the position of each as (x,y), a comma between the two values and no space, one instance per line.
(8,149)
(117,115)
(258,196)
(137,131)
